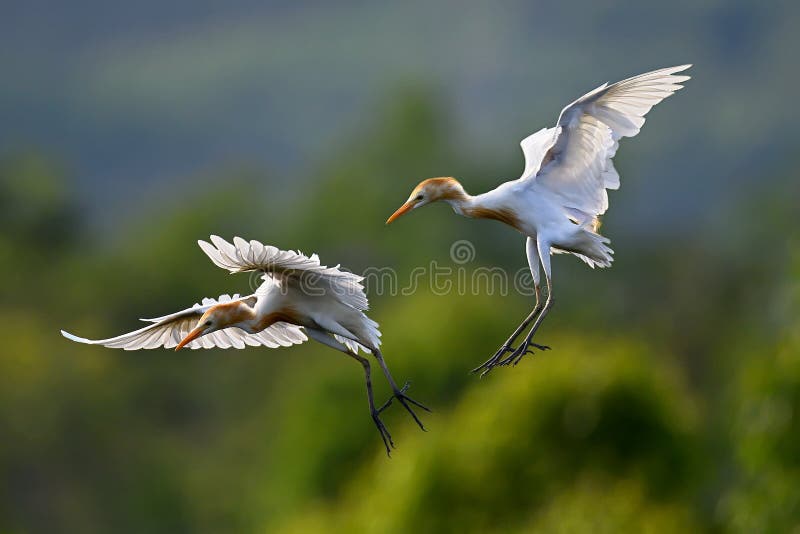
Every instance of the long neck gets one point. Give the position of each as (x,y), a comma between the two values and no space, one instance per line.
(483,206)
(273,307)
(459,200)
(236,313)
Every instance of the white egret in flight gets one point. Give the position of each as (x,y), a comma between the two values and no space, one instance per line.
(561,194)
(298,296)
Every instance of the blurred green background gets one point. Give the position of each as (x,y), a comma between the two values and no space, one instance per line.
(671,398)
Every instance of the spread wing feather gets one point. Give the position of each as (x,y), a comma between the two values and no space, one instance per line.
(573,160)
(287,266)
(167,332)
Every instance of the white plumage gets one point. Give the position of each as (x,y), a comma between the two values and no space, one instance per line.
(289,267)
(298,297)
(329,294)
(169,330)
(585,139)
(562,192)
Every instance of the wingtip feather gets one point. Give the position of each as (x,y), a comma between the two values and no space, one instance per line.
(73,337)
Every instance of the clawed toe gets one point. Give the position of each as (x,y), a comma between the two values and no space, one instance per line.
(385,436)
(522,350)
(404,399)
(492,362)
(513,358)
(409,399)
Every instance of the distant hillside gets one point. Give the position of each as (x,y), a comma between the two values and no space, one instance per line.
(132,97)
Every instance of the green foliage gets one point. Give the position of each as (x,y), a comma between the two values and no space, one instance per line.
(513,448)
(33,206)
(766,428)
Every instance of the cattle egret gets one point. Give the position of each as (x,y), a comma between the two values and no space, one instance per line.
(558,200)
(297,296)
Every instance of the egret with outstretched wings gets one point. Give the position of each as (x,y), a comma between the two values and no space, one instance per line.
(561,194)
(297,297)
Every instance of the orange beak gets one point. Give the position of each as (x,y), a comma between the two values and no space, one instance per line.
(405,208)
(191,336)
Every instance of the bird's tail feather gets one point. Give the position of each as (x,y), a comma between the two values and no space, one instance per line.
(593,249)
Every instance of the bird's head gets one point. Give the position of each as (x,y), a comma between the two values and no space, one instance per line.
(223,315)
(211,321)
(428,191)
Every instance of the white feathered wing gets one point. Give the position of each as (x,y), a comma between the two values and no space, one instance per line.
(169,330)
(573,160)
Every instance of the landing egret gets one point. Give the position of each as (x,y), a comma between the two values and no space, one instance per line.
(297,296)
(561,194)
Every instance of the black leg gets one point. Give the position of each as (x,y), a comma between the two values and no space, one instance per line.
(507,347)
(399,393)
(543,249)
(385,436)
(526,345)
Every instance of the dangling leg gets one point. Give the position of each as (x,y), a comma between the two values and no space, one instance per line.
(533,262)
(524,348)
(387,438)
(326,339)
(398,393)
(507,347)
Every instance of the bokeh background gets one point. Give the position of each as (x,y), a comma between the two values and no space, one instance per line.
(671,398)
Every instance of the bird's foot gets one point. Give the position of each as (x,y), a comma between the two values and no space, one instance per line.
(526,348)
(385,436)
(494,361)
(402,398)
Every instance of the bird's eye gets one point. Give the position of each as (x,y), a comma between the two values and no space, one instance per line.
(419,197)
